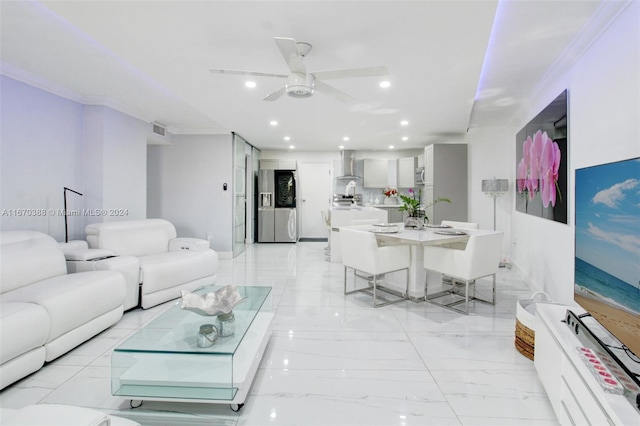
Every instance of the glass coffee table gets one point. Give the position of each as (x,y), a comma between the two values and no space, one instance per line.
(162,361)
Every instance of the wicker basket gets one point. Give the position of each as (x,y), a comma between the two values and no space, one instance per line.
(525,323)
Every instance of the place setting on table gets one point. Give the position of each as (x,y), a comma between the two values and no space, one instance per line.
(421,234)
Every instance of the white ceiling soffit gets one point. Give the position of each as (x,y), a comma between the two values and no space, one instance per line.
(152,60)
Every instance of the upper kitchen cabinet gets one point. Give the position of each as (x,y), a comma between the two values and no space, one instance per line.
(407,172)
(445,168)
(375,173)
(277,164)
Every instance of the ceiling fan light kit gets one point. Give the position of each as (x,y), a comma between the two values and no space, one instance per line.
(301,84)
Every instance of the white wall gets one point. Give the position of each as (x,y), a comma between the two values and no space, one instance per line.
(491,153)
(114,152)
(49,142)
(185,186)
(40,152)
(603,90)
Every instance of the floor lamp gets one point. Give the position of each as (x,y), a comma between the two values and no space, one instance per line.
(66,232)
(495,188)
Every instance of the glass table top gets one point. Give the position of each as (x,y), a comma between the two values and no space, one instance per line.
(176,330)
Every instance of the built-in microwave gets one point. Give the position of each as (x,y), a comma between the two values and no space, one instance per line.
(420,176)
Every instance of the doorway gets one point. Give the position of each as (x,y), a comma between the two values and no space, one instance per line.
(314,195)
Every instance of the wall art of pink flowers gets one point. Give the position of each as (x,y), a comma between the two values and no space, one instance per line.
(541,160)
(538,168)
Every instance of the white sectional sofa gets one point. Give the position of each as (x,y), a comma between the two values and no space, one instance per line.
(45,312)
(167,264)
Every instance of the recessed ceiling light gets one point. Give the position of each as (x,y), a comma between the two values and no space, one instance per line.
(391,147)
(404,123)
(287,138)
(346,138)
(405,138)
(273,122)
(385,84)
(341,147)
(291,146)
(250,84)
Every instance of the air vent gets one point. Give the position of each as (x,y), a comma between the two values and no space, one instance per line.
(158,129)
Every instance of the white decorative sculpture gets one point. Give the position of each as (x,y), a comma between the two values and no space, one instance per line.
(215,303)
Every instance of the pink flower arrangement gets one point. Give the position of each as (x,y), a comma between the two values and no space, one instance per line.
(538,168)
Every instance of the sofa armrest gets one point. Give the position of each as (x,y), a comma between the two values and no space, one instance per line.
(195,244)
(78,250)
(73,245)
(89,255)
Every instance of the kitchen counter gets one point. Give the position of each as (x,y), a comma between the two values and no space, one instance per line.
(388,206)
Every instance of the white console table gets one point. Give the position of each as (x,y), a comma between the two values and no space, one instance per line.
(574,393)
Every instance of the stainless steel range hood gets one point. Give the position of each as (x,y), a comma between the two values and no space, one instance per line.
(348,158)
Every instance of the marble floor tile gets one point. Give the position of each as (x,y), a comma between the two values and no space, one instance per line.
(332,359)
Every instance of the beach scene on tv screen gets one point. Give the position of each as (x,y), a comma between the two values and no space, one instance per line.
(607,264)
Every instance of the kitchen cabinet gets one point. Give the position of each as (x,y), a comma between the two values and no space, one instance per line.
(407,172)
(277,164)
(445,168)
(375,173)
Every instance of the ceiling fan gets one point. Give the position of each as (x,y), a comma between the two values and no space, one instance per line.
(300,83)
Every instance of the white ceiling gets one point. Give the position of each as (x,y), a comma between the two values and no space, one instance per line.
(448,70)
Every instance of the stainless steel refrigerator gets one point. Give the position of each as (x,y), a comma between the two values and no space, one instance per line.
(277,221)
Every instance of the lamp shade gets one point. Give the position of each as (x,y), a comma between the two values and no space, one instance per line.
(495,186)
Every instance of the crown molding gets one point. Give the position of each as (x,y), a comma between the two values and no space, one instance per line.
(66,93)
(197,131)
(38,82)
(605,15)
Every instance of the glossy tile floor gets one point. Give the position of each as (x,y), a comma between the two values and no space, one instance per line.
(333,359)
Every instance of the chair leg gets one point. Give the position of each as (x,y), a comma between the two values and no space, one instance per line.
(375,288)
(466,296)
(493,290)
(406,288)
(345,280)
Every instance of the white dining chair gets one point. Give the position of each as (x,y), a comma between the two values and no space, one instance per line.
(479,259)
(361,253)
(458,245)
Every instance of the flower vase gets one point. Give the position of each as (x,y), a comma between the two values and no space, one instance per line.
(391,200)
(416,221)
(226,324)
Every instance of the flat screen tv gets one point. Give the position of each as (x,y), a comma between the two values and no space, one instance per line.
(607,253)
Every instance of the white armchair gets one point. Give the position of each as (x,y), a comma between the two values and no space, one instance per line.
(361,253)
(167,264)
(479,259)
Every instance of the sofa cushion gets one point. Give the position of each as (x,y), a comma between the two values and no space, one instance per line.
(23,327)
(27,257)
(132,237)
(73,300)
(161,271)
(57,414)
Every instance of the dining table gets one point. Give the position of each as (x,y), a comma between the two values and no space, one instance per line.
(417,239)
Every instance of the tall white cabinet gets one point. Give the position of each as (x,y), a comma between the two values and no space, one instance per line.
(445,168)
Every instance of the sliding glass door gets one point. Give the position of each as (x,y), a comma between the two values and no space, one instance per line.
(239,194)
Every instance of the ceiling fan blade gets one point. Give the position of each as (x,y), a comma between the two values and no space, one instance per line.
(276,95)
(289,49)
(351,73)
(259,74)
(330,90)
